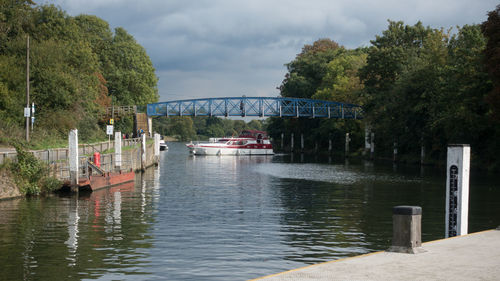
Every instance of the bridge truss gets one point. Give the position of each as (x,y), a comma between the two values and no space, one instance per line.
(256,107)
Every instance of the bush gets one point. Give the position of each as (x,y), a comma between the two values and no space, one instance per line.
(31,174)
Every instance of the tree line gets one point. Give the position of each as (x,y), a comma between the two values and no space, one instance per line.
(419,86)
(185,128)
(78,67)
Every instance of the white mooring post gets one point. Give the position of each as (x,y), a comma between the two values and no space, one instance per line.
(367,141)
(457,190)
(347,140)
(73,159)
(118,150)
(143,152)
(157,146)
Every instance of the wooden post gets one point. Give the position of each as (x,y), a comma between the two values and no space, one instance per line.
(282,137)
(406,230)
(422,151)
(372,145)
(347,140)
(301,142)
(457,190)
(367,141)
(395,152)
(73,159)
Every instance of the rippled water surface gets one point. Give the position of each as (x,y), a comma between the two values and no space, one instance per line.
(226,218)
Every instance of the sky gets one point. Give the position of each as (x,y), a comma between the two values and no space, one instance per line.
(230,48)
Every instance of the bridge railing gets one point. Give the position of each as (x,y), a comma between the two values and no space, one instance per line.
(256,107)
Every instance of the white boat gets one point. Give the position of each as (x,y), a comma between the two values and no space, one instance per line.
(163,145)
(249,142)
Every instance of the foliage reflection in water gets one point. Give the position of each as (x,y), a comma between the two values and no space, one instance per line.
(225,218)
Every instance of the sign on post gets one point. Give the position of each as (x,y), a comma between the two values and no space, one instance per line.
(27,111)
(109,129)
(457,190)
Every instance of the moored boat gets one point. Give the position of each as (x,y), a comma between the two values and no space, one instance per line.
(249,142)
(163,145)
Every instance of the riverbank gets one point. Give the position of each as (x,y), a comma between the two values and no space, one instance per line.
(53,171)
(469,257)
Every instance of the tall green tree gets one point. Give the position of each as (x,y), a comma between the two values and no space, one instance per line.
(341,81)
(129,72)
(491,30)
(306,71)
(74,60)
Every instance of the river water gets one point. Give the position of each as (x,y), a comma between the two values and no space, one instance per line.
(227,218)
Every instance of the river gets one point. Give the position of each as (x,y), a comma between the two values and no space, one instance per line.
(227,218)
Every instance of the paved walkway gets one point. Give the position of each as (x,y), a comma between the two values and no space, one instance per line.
(470,257)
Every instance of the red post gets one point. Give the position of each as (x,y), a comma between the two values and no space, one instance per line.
(97,159)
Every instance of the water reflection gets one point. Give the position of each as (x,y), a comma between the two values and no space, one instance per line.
(225,218)
(72,241)
(75,237)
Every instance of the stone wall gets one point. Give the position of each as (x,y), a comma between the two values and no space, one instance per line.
(8,188)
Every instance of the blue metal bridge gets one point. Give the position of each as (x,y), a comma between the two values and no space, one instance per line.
(256,107)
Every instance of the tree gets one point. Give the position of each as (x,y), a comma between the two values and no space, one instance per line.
(491,30)
(400,78)
(72,59)
(341,82)
(182,126)
(129,71)
(306,72)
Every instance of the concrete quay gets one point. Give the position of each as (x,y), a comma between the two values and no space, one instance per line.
(474,256)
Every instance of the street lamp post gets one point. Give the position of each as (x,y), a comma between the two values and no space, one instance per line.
(27,112)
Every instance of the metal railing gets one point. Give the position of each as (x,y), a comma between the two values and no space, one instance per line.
(57,158)
(256,106)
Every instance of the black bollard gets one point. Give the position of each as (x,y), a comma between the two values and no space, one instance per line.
(407,230)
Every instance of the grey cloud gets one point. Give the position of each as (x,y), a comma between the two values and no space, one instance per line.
(216,47)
